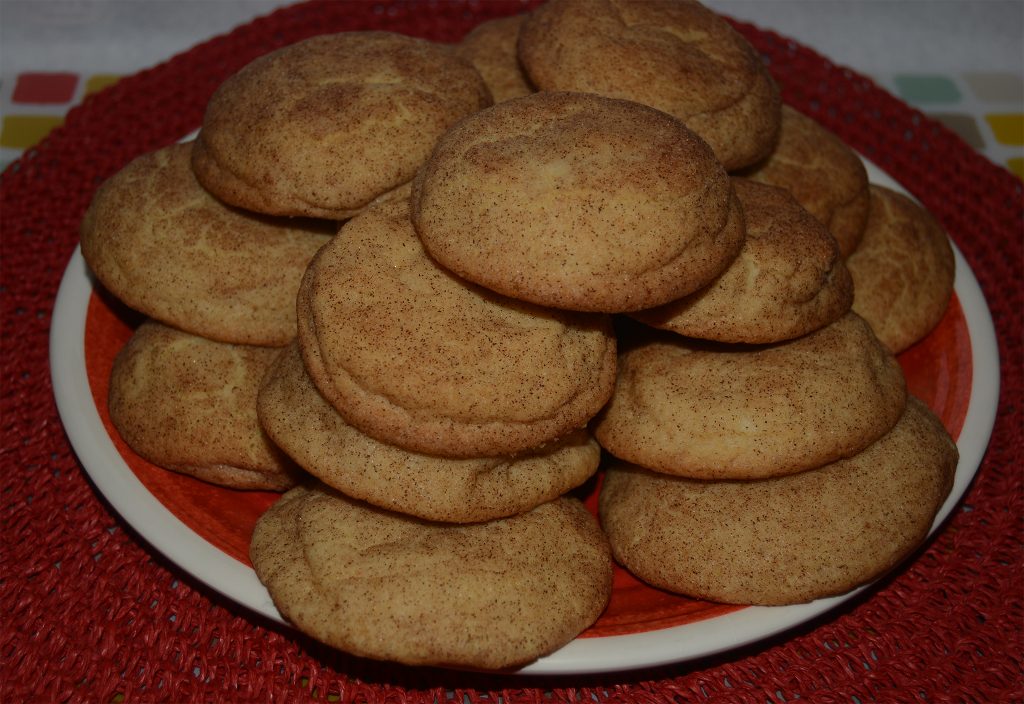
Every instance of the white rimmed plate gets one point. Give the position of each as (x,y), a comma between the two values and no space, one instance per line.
(176,536)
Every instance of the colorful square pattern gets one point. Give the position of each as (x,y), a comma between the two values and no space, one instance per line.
(33,103)
(985,108)
(44,88)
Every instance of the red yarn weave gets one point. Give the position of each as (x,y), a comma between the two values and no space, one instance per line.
(88,613)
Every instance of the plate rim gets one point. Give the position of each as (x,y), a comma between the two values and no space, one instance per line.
(174,539)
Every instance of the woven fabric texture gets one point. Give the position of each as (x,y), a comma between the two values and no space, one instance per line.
(90,614)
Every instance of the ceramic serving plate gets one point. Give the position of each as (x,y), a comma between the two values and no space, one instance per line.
(206,529)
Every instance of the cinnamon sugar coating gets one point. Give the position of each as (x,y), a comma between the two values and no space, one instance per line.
(322,127)
(787,281)
(579,202)
(491,595)
(824,175)
(165,247)
(414,356)
(902,271)
(678,57)
(746,412)
(311,431)
(790,539)
(491,47)
(188,404)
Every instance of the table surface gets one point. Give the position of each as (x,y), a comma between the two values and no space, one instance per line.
(960,62)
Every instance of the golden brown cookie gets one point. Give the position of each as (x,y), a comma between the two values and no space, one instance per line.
(824,175)
(322,127)
(902,271)
(491,48)
(381,585)
(188,404)
(312,432)
(416,357)
(716,412)
(787,281)
(578,202)
(784,540)
(679,57)
(165,247)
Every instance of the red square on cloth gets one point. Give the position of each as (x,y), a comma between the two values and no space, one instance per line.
(46,88)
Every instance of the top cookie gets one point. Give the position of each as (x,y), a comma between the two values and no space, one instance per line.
(416,357)
(679,57)
(491,48)
(322,127)
(902,270)
(580,202)
(787,281)
(164,246)
(824,175)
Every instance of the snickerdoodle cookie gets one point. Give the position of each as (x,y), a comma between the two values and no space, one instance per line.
(188,404)
(322,127)
(745,412)
(579,202)
(678,57)
(164,246)
(491,48)
(787,281)
(902,271)
(789,539)
(312,432)
(413,356)
(824,175)
(382,585)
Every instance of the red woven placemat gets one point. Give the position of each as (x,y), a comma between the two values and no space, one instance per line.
(88,613)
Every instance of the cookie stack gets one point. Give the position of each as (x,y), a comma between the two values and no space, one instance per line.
(592,220)
(217,285)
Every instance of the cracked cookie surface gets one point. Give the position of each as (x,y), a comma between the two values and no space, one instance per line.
(188,404)
(824,175)
(787,281)
(678,57)
(381,585)
(579,202)
(711,411)
(790,539)
(413,355)
(165,247)
(313,433)
(323,127)
(902,270)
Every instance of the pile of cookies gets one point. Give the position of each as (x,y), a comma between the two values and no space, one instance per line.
(588,228)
